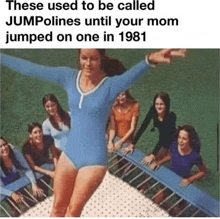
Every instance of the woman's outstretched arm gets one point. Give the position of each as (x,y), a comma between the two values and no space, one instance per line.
(52,74)
(122,82)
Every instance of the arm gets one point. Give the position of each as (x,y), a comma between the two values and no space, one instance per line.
(144,125)
(38,168)
(53,74)
(46,127)
(15,196)
(156,165)
(24,165)
(122,82)
(54,154)
(5,191)
(199,175)
(111,136)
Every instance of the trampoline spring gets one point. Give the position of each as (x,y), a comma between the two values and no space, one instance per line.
(46,184)
(132,180)
(183,210)
(116,162)
(171,195)
(126,170)
(146,180)
(25,203)
(19,211)
(121,168)
(130,171)
(30,195)
(5,211)
(195,213)
(112,158)
(151,187)
(159,192)
(175,204)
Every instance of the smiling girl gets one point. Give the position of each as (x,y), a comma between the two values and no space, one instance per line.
(57,125)
(164,121)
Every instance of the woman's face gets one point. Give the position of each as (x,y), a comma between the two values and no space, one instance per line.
(160,106)
(37,135)
(183,140)
(90,61)
(122,98)
(4,150)
(51,107)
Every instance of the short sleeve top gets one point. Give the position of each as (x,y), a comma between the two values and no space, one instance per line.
(39,156)
(182,165)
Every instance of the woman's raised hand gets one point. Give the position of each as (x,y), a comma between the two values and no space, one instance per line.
(165,55)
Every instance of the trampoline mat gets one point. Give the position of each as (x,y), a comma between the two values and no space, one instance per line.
(114,198)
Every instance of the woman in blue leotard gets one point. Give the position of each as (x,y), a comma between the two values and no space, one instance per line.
(82,165)
(57,125)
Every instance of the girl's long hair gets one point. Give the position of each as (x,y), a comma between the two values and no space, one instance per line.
(110,66)
(65,117)
(11,156)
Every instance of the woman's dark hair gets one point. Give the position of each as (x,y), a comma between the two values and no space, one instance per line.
(33,125)
(11,156)
(166,99)
(65,117)
(110,66)
(128,97)
(193,137)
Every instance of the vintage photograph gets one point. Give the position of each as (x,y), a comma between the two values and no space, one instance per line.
(109,132)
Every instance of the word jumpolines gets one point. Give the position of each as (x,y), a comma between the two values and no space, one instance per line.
(36,20)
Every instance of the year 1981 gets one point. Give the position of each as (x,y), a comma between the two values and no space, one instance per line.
(132,36)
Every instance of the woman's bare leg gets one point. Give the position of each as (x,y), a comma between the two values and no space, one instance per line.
(87,181)
(63,185)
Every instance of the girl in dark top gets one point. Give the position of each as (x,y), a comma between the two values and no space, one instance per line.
(12,164)
(164,121)
(36,149)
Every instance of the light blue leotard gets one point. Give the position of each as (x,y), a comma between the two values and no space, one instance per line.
(86,144)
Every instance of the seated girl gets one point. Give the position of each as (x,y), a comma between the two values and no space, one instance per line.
(164,121)
(123,123)
(12,164)
(57,125)
(36,150)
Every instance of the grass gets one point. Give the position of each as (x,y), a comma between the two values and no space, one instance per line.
(193,86)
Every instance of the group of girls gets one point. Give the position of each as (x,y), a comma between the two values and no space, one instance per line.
(180,147)
(43,146)
(92,92)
